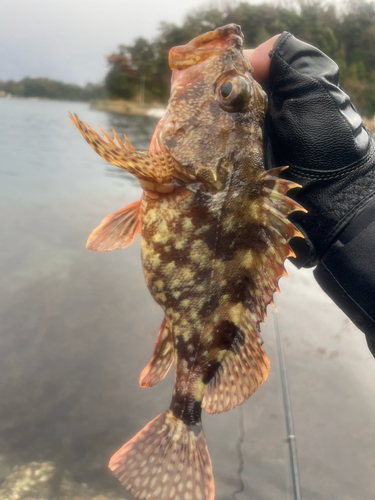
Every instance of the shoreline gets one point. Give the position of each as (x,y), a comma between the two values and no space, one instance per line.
(156,110)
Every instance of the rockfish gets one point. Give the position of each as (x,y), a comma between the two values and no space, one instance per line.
(214,237)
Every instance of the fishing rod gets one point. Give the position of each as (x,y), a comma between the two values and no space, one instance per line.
(291,438)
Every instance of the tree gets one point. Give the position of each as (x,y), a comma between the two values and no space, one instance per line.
(121,78)
(348,37)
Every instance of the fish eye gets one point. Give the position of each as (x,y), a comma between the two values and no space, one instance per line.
(234,94)
(227,89)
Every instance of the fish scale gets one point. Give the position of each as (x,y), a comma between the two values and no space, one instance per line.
(214,237)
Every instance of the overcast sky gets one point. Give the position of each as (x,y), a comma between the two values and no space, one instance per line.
(69,39)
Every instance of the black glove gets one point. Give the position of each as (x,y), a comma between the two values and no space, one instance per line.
(313,127)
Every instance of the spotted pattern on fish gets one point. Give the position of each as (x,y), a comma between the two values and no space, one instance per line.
(210,277)
(214,237)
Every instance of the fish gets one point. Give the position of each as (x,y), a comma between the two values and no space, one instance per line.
(214,238)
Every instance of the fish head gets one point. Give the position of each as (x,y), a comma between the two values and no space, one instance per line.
(216,109)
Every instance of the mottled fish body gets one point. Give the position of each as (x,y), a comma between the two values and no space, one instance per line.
(214,237)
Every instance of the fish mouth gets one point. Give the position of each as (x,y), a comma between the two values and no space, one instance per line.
(207,45)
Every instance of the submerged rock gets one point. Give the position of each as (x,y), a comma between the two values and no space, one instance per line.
(31,481)
(43,481)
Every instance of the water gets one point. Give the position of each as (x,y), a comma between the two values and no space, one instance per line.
(77,328)
(68,315)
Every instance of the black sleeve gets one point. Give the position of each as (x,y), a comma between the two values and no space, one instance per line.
(313,127)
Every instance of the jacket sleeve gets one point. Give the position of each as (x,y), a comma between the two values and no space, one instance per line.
(313,127)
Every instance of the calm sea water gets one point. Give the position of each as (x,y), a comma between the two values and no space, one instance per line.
(77,328)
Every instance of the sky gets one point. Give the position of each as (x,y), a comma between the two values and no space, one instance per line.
(68,40)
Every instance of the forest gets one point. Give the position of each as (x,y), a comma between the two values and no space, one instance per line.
(46,88)
(140,71)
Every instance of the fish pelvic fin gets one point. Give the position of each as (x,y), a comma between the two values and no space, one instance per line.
(243,370)
(162,358)
(166,460)
(118,230)
(155,166)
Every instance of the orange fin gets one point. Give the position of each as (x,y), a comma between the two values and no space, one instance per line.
(280,229)
(245,366)
(243,370)
(273,178)
(283,203)
(166,460)
(278,205)
(287,228)
(155,166)
(118,230)
(162,358)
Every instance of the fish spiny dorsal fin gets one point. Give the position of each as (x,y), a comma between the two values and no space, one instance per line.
(166,460)
(162,357)
(245,366)
(154,166)
(280,229)
(270,266)
(118,230)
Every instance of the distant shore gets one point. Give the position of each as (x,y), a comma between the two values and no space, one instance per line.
(129,108)
(157,110)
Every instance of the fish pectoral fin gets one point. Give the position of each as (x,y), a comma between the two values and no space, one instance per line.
(243,370)
(162,358)
(155,166)
(167,459)
(118,230)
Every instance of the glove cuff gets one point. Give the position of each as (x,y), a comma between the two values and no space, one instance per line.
(346,272)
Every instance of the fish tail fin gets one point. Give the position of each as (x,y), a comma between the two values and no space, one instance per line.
(166,460)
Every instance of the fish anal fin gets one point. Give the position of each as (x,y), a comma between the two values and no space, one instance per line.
(243,370)
(162,358)
(118,230)
(167,459)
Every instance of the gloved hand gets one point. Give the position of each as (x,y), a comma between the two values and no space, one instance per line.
(313,127)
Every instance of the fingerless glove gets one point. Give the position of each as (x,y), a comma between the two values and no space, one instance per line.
(313,127)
